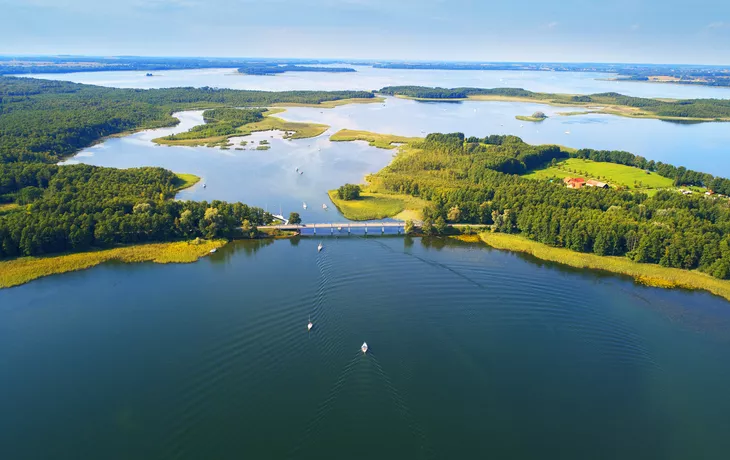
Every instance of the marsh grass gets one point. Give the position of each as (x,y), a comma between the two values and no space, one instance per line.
(22,270)
(647,274)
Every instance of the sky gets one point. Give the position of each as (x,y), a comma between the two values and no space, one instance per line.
(647,31)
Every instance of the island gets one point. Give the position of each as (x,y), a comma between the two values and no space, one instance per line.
(535,117)
(685,110)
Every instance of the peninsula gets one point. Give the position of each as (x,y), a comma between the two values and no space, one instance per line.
(693,110)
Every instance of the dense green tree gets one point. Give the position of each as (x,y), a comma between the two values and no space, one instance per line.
(689,232)
(348,192)
(294,218)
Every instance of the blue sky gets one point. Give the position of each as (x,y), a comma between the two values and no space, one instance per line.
(657,31)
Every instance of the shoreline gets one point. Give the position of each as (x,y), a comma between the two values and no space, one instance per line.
(16,272)
(642,273)
(591,107)
(301,130)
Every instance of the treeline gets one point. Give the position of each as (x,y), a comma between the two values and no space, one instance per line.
(689,232)
(273,69)
(60,64)
(44,121)
(220,122)
(680,175)
(506,154)
(79,207)
(453,93)
(688,108)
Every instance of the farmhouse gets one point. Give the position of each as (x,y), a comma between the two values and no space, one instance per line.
(574,182)
(595,183)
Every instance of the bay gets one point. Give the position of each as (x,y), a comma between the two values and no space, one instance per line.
(473,353)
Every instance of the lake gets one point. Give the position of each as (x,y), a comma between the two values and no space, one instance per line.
(368,78)
(474,353)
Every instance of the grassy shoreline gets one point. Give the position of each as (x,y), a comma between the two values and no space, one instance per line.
(25,269)
(530,118)
(381,141)
(332,104)
(373,206)
(647,274)
(269,123)
(561,100)
(185,180)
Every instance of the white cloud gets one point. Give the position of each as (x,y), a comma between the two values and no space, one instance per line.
(635,27)
(551,25)
(718,25)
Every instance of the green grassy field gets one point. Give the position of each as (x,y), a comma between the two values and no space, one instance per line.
(611,173)
(647,274)
(383,141)
(184,181)
(22,270)
(378,206)
(8,207)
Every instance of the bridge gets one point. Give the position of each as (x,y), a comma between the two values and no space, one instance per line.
(344,228)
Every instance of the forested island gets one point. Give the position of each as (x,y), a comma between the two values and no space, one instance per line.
(610,103)
(274,69)
(224,123)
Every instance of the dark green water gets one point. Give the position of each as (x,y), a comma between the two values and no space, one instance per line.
(475,353)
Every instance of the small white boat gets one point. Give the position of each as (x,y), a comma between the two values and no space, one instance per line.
(522,126)
(301,172)
(204,185)
(304,205)
(297,169)
(309,325)
(567,132)
(339,229)
(214,250)
(324,206)
(319,247)
(364,347)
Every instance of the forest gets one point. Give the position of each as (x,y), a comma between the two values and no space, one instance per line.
(78,207)
(463,180)
(708,109)
(220,122)
(74,208)
(44,121)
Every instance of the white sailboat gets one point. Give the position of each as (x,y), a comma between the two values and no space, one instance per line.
(309,324)
(324,206)
(304,205)
(364,347)
(319,246)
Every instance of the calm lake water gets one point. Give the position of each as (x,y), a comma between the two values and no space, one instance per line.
(368,78)
(265,178)
(474,353)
